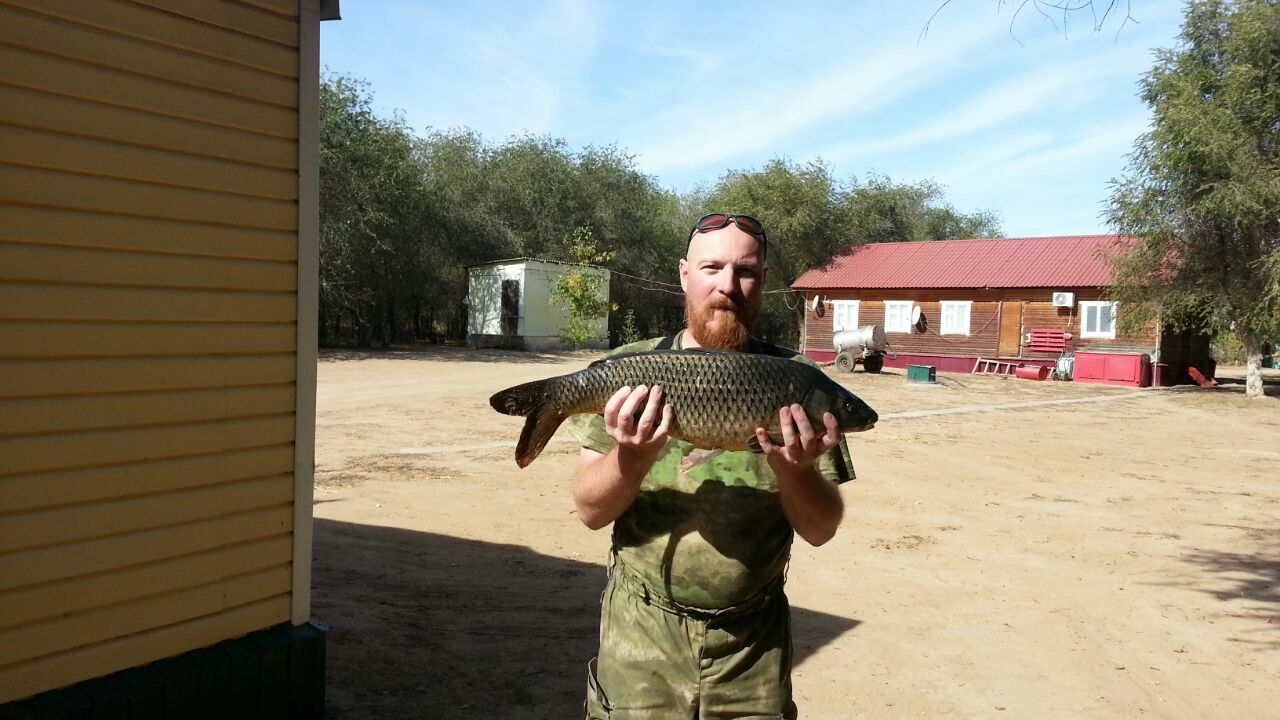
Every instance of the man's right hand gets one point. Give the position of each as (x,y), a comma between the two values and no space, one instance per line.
(607,483)
(640,433)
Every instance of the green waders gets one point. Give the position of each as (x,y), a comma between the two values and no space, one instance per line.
(661,661)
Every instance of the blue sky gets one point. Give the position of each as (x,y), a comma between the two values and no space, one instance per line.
(1026,120)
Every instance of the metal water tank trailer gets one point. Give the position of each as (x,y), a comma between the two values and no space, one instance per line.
(866,344)
(868,338)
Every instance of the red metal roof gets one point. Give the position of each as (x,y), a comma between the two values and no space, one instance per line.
(1064,261)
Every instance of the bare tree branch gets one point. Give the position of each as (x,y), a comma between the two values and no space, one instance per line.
(1015,19)
(925,30)
(1105,14)
(1068,8)
(1128,7)
(1047,16)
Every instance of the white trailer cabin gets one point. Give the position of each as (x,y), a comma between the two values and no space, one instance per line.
(509,304)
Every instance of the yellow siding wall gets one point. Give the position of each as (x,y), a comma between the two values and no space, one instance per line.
(148,299)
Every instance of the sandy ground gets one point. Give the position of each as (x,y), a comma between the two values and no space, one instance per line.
(1114,553)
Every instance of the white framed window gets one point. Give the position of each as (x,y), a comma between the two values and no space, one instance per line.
(897,316)
(1097,319)
(844,315)
(955,317)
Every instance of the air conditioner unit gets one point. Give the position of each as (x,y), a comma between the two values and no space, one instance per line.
(1064,299)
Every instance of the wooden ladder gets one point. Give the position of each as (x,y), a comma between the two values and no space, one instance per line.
(999,367)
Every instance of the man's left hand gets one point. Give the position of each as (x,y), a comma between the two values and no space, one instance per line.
(801,444)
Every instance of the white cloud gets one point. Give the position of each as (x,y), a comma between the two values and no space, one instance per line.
(1010,147)
(1093,142)
(501,73)
(1057,89)
(1002,125)
(1041,187)
(708,131)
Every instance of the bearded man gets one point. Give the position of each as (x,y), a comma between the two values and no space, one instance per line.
(694,621)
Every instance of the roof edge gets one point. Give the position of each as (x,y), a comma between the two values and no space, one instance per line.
(533,259)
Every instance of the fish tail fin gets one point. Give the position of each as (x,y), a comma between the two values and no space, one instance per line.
(540,425)
(541,420)
(521,399)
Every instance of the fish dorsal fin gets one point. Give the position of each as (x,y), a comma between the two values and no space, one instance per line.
(619,356)
(690,351)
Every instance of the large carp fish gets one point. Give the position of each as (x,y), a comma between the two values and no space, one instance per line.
(719,397)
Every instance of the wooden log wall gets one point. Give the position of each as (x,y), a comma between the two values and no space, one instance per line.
(987,315)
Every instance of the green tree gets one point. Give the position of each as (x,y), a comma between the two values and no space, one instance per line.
(811,216)
(372,212)
(1202,190)
(402,216)
(578,291)
(881,210)
(543,192)
(629,332)
(802,211)
(467,223)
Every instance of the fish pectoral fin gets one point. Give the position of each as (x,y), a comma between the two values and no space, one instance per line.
(693,458)
(775,437)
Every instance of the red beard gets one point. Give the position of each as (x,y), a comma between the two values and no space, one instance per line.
(719,324)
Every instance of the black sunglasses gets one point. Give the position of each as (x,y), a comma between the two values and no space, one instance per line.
(745,223)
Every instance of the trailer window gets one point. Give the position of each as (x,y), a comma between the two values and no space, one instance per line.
(897,316)
(1097,319)
(955,317)
(844,315)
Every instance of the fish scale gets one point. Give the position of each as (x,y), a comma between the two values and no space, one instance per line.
(715,395)
(718,397)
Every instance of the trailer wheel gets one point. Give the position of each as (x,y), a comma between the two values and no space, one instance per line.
(845,362)
(873,363)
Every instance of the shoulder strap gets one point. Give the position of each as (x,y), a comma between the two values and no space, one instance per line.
(761,347)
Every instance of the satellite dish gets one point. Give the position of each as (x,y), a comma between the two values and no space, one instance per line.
(919,323)
(818,307)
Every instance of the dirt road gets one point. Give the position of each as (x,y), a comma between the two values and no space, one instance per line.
(1004,554)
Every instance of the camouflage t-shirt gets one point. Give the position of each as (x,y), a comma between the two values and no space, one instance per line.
(712,535)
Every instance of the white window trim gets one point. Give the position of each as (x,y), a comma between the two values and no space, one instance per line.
(905,327)
(308,298)
(835,315)
(964,309)
(1084,317)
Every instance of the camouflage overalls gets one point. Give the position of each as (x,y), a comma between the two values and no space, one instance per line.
(694,622)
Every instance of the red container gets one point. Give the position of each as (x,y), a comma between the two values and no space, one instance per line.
(1131,369)
(1032,372)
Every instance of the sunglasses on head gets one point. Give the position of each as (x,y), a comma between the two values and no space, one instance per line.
(745,223)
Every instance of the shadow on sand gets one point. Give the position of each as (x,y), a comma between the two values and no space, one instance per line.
(1251,581)
(431,626)
(1232,379)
